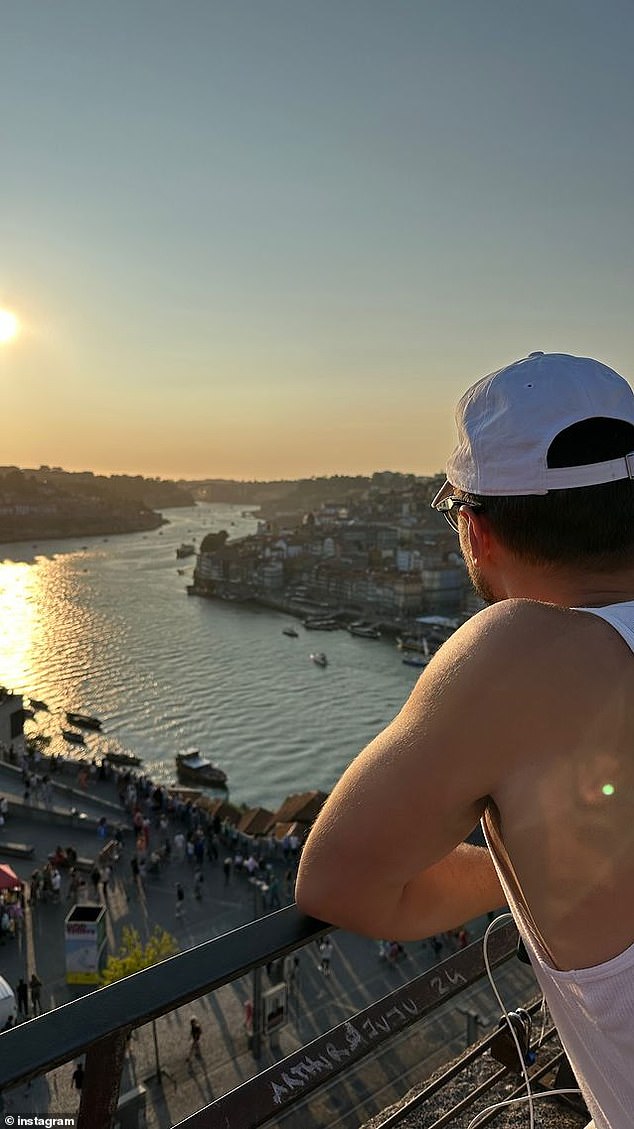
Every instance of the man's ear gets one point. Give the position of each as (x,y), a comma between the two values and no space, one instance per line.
(479,536)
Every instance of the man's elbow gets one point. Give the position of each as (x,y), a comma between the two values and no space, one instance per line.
(326,894)
(314,895)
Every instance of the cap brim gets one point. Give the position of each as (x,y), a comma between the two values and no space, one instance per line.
(445,492)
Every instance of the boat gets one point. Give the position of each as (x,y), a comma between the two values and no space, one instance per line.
(122,758)
(38,704)
(291,632)
(83,720)
(317,623)
(192,767)
(418,645)
(364,631)
(73,736)
(319,658)
(416,660)
(187,549)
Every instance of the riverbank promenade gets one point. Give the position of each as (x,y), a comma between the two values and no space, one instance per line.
(318,998)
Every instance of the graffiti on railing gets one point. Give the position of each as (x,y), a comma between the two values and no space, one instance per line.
(452,980)
(296,1077)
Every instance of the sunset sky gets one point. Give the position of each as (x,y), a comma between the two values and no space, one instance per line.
(277,238)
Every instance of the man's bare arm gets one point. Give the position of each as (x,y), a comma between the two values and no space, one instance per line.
(460,887)
(385,857)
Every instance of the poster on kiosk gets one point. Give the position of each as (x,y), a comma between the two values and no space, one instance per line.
(85,942)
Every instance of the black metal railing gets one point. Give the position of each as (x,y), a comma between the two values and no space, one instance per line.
(99,1023)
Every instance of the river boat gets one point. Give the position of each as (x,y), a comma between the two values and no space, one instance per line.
(73,736)
(416,660)
(122,758)
(38,704)
(319,658)
(291,632)
(416,644)
(195,769)
(185,550)
(83,720)
(364,631)
(321,624)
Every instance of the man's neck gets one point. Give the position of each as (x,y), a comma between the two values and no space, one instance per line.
(568,589)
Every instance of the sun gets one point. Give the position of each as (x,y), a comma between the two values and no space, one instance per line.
(9,326)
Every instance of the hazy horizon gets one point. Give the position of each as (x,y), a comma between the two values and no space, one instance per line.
(211,478)
(277,240)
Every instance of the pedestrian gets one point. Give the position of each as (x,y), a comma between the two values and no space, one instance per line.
(195,1034)
(105,879)
(56,883)
(523,720)
(35,986)
(73,884)
(226,869)
(180,898)
(22,997)
(77,1079)
(95,877)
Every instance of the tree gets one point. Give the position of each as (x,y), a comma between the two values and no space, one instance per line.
(133,956)
(214,541)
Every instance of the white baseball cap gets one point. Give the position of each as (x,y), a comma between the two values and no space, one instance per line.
(507,421)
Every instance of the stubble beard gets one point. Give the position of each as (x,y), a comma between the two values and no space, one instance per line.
(480,583)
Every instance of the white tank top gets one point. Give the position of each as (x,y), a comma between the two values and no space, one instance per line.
(593,1008)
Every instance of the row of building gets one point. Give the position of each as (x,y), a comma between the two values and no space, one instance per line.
(387,556)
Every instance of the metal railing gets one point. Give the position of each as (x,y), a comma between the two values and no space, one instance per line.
(99,1023)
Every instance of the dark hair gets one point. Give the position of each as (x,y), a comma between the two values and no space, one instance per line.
(588,527)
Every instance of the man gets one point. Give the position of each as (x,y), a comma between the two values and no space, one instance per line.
(524,719)
(195,1034)
(22,996)
(35,986)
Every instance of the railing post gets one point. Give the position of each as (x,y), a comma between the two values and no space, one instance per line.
(256,1038)
(102,1081)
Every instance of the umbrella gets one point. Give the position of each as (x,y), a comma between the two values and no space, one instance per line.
(8,878)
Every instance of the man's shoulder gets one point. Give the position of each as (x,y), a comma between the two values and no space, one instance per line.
(509,624)
(517,655)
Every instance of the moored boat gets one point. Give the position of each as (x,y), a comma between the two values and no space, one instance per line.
(192,767)
(122,758)
(83,720)
(364,631)
(73,736)
(319,658)
(416,660)
(187,549)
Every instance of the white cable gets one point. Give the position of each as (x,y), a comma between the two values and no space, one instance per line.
(485,953)
(529,1096)
(479,1118)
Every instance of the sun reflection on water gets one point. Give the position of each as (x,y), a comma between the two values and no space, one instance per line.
(18,621)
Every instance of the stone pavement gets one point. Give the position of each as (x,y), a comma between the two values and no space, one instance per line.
(357,978)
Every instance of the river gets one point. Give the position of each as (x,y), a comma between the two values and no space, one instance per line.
(104,626)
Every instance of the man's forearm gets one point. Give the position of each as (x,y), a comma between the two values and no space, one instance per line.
(460,887)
